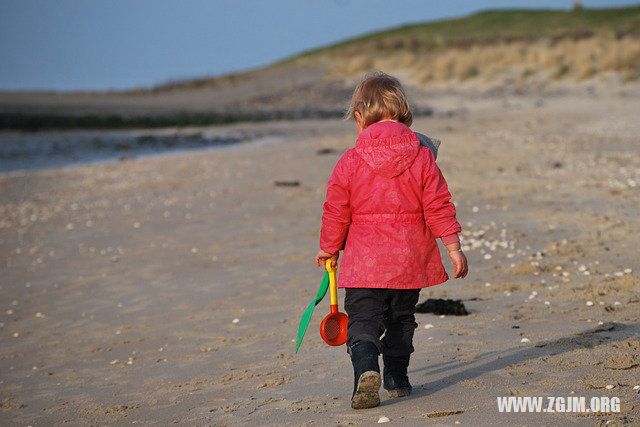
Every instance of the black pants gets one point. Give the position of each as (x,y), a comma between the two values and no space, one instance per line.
(373,312)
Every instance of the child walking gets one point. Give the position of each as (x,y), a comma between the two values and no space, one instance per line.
(386,203)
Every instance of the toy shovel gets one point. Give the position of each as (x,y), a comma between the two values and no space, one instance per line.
(306,316)
(333,328)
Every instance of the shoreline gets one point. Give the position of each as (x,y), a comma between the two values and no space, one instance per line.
(80,148)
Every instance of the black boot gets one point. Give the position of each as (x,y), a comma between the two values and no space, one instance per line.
(396,381)
(364,356)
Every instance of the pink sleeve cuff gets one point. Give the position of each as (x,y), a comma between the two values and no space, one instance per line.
(451,238)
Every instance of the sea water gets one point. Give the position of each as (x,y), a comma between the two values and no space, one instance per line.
(52,149)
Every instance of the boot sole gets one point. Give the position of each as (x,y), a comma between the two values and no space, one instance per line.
(398,393)
(367,391)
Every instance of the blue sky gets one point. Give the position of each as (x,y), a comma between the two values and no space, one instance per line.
(120,44)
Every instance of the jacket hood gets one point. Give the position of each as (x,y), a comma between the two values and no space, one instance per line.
(389,148)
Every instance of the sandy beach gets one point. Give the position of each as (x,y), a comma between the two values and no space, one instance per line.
(168,289)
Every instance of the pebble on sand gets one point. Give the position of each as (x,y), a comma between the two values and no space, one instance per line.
(637,388)
(589,303)
(236,320)
(525,340)
(428,326)
(383,420)
(609,387)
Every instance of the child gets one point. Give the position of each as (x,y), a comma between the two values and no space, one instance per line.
(387,202)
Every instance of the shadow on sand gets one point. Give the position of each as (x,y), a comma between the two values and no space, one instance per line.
(496,360)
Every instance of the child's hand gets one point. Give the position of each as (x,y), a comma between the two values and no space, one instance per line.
(460,266)
(459,261)
(322,257)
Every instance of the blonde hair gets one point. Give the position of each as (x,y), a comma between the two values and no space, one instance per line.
(380,96)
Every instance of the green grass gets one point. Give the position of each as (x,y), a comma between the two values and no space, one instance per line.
(493,26)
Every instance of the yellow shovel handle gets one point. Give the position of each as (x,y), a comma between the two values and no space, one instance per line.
(333,288)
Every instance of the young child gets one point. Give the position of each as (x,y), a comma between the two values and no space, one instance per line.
(387,202)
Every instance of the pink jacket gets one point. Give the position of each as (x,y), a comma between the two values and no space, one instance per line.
(388,199)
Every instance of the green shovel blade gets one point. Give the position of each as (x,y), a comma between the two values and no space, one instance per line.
(306,316)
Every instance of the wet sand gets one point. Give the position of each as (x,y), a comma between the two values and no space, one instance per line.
(122,282)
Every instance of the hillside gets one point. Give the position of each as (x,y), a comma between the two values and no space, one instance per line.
(490,27)
(576,44)
(498,50)
(490,46)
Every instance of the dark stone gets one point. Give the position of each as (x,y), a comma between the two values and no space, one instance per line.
(323,151)
(287,183)
(442,306)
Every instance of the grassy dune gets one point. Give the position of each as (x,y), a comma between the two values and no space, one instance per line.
(494,26)
(543,59)
(525,44)
(549,44)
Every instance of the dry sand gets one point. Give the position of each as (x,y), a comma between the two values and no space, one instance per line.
(121,281)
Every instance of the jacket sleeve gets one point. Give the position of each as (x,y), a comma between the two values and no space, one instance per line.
(439,212)
(336,215)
